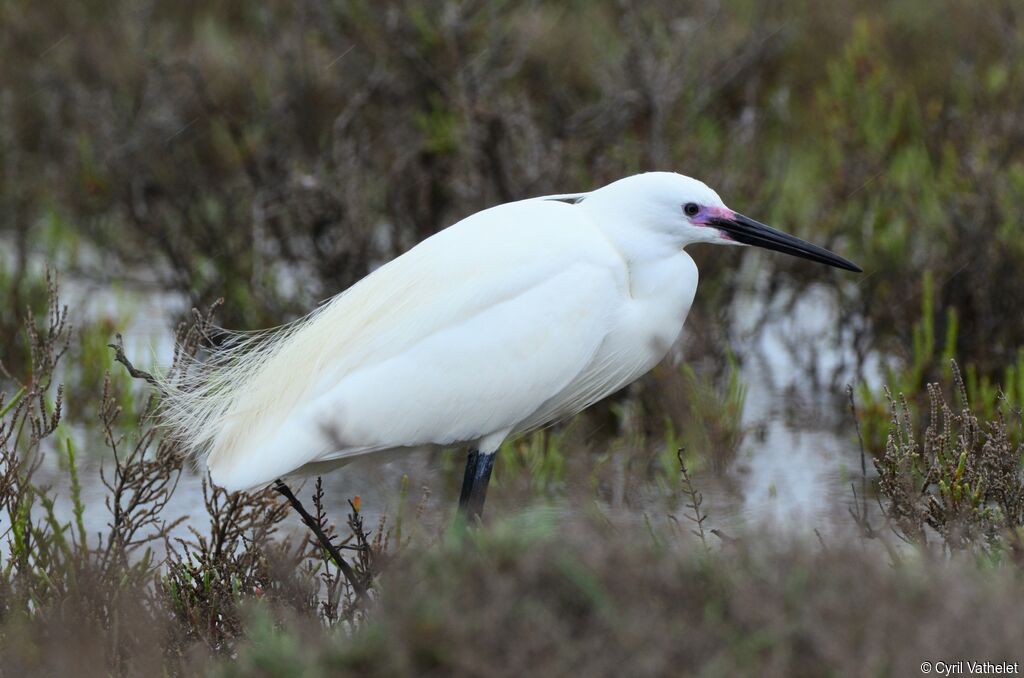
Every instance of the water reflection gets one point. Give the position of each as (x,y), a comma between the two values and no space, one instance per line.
(793,470)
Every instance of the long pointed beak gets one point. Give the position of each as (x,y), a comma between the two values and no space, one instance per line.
(749,232)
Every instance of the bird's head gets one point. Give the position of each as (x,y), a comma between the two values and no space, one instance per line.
(685,211)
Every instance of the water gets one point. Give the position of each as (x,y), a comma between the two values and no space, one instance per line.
(796,472)
(793,471)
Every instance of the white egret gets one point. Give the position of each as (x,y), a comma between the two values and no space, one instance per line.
(513,318)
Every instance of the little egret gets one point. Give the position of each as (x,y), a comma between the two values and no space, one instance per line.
(513,318)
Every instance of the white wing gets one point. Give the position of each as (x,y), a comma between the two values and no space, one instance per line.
(462,337)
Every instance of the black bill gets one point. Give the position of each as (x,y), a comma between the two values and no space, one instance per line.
(749,232)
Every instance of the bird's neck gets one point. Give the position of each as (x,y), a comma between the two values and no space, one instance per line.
(635,235)
(662,276)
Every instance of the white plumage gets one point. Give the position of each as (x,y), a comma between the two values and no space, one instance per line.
(510,319)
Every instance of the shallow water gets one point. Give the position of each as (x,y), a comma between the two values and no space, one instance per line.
(796,471)
(793,471)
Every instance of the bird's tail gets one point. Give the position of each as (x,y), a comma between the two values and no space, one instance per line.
(211,405)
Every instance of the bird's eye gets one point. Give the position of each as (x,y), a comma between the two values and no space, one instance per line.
(691,209)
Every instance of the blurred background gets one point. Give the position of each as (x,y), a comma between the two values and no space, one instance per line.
(159,156)
(156,157)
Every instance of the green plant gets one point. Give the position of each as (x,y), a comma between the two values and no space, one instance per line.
(911,377)
(960,480)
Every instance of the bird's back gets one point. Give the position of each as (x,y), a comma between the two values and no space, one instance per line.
(434,347)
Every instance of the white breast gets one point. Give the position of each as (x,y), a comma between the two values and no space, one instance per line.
(643,329)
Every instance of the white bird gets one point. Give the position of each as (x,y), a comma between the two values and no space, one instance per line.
(513,318)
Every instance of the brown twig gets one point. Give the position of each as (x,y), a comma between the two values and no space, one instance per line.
(696,498)
(120,357)
(322,537)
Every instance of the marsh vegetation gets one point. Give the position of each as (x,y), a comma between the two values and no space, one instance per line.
(156,158)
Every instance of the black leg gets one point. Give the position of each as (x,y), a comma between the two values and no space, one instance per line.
(474,484)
